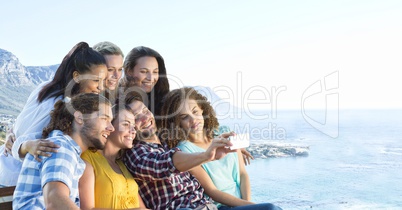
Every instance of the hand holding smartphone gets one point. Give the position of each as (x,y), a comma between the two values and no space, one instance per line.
(240,140)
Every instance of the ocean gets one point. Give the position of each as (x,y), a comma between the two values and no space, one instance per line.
(353,163)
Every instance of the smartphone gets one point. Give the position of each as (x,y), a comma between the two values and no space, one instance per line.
(240,140)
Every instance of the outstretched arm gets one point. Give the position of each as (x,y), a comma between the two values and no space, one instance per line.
(217,150)
(150,164)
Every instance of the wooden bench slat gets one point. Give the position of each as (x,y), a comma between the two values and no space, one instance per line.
(6,206)
(6,191)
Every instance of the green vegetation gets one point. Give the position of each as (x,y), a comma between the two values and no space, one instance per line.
(12,99)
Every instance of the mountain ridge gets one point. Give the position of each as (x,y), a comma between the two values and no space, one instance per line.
(17,81)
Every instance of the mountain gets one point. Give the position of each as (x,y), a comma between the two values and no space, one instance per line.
(12,72)
(17,81)
(39,74)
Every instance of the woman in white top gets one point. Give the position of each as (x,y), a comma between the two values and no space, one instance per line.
(82,70)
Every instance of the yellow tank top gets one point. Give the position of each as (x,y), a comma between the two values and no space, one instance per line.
(112,190)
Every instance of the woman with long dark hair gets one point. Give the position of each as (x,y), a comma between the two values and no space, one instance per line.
(145,68)
(82,70)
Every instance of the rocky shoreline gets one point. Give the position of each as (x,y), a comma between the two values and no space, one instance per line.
(267,150)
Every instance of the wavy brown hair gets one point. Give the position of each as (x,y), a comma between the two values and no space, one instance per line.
(170,129)
(62,116)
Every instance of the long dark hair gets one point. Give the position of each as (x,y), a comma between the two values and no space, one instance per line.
(62,116)
(161,87)
(80,58)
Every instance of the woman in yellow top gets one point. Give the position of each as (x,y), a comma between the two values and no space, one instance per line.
(106,183)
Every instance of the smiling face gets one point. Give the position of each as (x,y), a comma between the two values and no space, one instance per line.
(125,132)
(97,127)
(144,121)
(191,119)
(114,71)
(92,82)
(146,73)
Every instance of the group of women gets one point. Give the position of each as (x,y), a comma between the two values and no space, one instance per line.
(106,182)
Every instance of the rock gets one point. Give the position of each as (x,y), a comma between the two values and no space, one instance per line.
(264,150)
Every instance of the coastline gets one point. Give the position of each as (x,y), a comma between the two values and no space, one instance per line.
(271,150)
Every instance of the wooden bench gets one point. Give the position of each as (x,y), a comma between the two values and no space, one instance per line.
(4,192)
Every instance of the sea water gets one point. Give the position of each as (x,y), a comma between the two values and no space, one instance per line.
(357,167)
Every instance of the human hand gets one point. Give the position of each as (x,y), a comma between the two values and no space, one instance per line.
(10,139)
(246,156)
(226,135)
(218,149)
(38,147)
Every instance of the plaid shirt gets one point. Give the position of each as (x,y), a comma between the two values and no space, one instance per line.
(162,186)
(63,166)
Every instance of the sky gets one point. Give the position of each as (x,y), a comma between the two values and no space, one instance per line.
(257,54)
